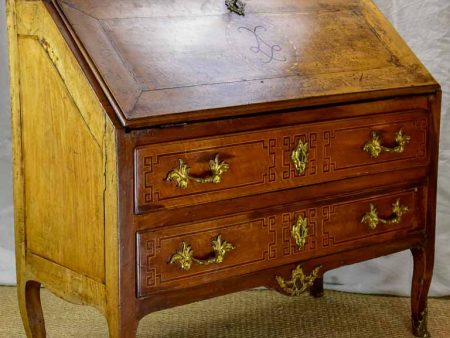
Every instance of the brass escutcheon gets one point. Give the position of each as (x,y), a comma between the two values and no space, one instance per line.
(299,232)
(299,157)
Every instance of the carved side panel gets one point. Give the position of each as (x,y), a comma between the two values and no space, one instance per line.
(63,144)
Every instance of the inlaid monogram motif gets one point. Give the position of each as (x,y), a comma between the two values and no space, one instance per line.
(262,47)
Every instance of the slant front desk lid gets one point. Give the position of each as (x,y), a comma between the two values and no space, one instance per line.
(167,61)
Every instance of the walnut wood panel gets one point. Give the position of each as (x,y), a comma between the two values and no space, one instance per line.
(61,136)
(267,279)
(397,180)
(264,240)
(261,161)
(194,60)
(339,226)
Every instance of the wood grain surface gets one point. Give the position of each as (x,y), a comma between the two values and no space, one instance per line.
(263,239)
(261,162)
(60,135)
(174,61)
(108,96)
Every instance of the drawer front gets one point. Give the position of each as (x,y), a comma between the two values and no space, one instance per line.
(189,255)
(262,161)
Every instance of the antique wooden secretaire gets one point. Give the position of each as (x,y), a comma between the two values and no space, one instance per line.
(171,151)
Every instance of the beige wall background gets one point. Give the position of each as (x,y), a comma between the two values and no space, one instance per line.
(425,25)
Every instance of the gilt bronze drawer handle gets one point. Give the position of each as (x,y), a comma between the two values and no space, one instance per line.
(299,157)
(299,282)
(182,178)
(185,257)
(299,232)
(372,219)
(374,147)
(236,6)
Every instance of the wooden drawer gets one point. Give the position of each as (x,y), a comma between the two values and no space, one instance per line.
(262,161)
(263,239)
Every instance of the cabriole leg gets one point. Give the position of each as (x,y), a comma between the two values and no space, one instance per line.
(423,271)
(30,308)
